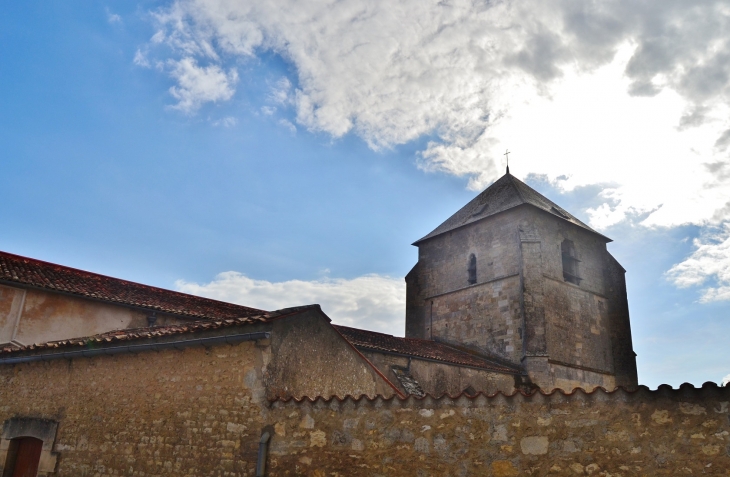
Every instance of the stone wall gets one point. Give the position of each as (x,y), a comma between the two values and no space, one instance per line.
(309,358)
(443,269)
(573,331)
(200,411)
(193,410)
(486,316)
(521,309)
(618,434)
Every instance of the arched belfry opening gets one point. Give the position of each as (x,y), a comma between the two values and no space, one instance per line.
(570,262)
(472,268)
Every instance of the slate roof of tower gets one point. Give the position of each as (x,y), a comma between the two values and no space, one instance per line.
(418,348)
(58,278)
(506,193)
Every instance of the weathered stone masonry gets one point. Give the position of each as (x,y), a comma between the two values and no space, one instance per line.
(193,410)
(617,434)
(200,411)
(513,276)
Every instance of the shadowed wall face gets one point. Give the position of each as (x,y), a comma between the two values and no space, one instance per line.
(190,411)
(547,296)
(644,433)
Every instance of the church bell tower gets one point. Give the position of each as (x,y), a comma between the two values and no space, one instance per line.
(515,277)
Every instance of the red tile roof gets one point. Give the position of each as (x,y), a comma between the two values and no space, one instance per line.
(58,278)
(140,334)
(418,348)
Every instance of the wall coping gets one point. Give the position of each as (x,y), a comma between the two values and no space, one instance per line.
(685,392)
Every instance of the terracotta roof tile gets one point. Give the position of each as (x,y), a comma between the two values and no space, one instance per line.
(58,278)
(419,348)
(137,334)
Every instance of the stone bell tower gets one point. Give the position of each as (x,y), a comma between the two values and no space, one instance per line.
(514,276)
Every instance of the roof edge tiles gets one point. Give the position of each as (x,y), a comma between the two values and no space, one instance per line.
(126,336)
(619,392)
(34,273)
(421,349)
(504,194)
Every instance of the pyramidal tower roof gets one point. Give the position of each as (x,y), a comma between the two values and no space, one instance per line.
(506,193)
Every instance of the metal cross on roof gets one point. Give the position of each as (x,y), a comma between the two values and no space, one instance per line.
(507,153)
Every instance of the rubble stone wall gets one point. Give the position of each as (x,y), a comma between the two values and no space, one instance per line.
(195,411)
(618,434)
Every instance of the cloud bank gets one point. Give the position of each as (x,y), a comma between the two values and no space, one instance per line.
(634,96)
(464,72)
(710,261)
(373,302)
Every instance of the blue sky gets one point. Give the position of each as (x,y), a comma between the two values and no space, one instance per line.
(303,168)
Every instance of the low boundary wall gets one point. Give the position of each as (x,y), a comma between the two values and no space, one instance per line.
(683,431)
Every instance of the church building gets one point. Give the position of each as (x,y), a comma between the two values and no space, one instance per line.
(515,277)
(101,376)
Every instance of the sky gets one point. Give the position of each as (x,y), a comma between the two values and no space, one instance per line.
(282,153)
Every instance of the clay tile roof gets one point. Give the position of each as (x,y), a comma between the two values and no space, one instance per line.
(507,192)
(419,348)
(58,278)
(140,334)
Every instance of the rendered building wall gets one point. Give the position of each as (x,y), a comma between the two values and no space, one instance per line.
(29,316)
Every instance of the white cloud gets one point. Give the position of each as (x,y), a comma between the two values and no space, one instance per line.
(634,96)
(373,302)
(281,91)
(709,262)
(227,122)
(140,59)
(288,125)
(595,90)
(113,17)
(198,85)
(726,380)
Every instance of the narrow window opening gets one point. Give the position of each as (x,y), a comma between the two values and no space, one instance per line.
(472,269)
(570,263)
(23,458)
